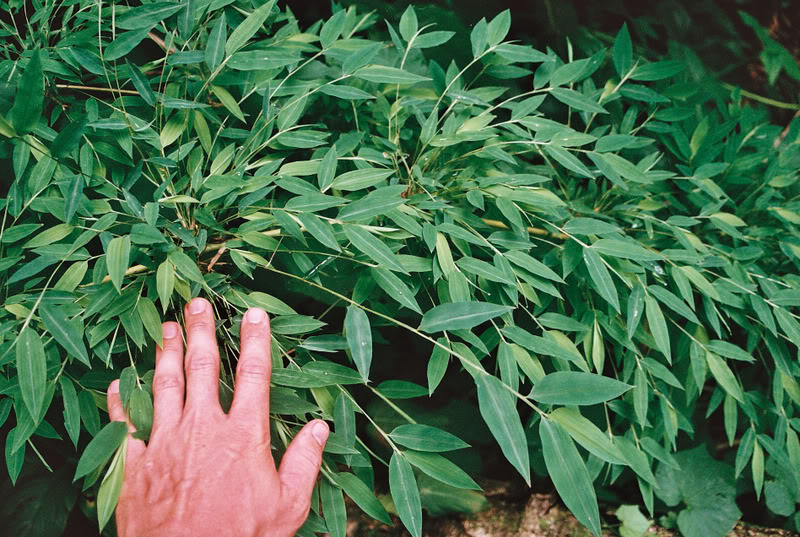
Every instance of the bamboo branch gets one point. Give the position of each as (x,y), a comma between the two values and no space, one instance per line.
(532,230)
(96,88)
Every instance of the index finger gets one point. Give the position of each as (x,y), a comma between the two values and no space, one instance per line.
(251,391)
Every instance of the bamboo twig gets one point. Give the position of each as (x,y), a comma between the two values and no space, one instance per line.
(96,88)
(532,230)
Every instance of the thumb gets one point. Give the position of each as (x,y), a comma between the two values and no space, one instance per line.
(300,465)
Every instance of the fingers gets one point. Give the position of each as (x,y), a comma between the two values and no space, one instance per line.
(251,394)
(300,466)
(117,413)
(202,357)
(168,381)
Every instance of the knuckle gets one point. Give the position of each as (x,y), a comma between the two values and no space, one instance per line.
(252,370)
(202,361)
(165,382)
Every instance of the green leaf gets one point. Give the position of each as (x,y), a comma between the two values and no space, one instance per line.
(248,27)
(460,315)
(658,326)
(362,496)
(569,474)
(343,91)
(373,248)
(332,29)
(229,102)
(32,371)
(724,376)
(497,407)
(378,202)
(601,277)
(360,179)
(483,269)
(111,487)
(383,74)
(568,160)
(319,229)
(165,283)
(622,51)
(442,469)
(14,458)
(72,413)
(577,101)
(625,250)
(124,43)
(587,435)
(141,84)
(117,259)
(333,508)
(395,288)
(657,70)
(403,487)
(29,100)
(672,302)
(327,169)
(573,388)
(408,23)
(67,333)
(401,389)
(150,319)
(729,350)
(700,281)
(101,448)
(186,266)
(532,265)
(148,15)
(215,48)
(426,438)
(498,28)
(359,339)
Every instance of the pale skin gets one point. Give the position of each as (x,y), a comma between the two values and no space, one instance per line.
(205,472)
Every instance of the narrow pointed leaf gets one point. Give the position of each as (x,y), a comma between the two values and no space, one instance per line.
(405,493)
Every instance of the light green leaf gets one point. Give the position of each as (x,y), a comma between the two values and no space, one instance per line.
(374,248)
(319,229)
(327,169)
(568,160)
(497,407)
(67,333)
(165,283)
(186,266)
(332,29)
(569,474)
(573,388)
(758,468)
(148,15)
(360,179)
(72,416)
(359,339)
(32,371)
(111,487)
(362,496)
(333,508)
(601,277)
(215,48)
(408,23)
(141,84)
(577,101)
(587,434)
(101,448)
(117,259)
(442,469)
(403,487)
(724,376)
(426,438)
(150,319)
(248,27)
(383,74)
(395,288)
(625,250)
(124,43)
(228,101)
(460,315)
(658,326)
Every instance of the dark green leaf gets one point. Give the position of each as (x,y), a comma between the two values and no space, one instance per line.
(403,487)
(426,438)
(32,371)
(67,332)
(460,315)
(29,101)
(101,448)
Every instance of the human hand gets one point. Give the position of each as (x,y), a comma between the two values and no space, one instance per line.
(205,472)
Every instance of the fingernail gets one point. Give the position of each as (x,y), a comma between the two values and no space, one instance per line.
(320,432)
(255,315)
(197,305)
(114,387)
(169,330)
